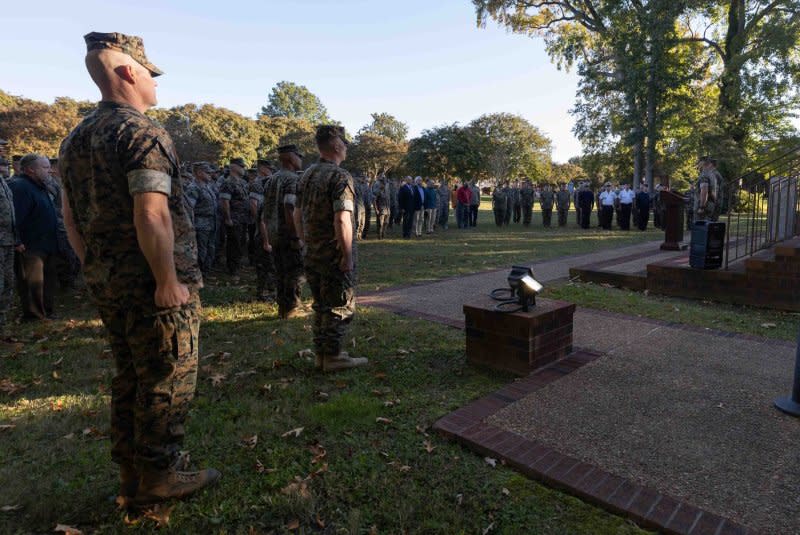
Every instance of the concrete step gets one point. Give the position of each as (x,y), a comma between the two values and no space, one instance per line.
(788,250)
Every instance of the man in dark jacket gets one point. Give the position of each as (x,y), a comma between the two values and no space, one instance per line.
(585,204)
(642,205)
(406,201)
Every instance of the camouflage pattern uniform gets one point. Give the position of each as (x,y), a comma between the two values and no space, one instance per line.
(235,190)
(264,262)
(394,207)
(324,190)
(112,155)
(713,179)
(205,224)
(526,201)
(360,213)
(546,200)
(444,205)
(509,191)
(516,204)
(369,199)
(500,205)
(563,198)
(281,191)
(380,195)
(8,239)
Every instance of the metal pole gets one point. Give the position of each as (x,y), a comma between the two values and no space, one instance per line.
(791,405)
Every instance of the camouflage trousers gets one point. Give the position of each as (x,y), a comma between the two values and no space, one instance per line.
(527,214)
(334,305)
(383,223)
(361,222)
(206,248)
(289,275)
(6,282)
(156,359)
(236,242)
(266,276)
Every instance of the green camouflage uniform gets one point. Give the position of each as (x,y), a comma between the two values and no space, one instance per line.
(380,195)
(205,224)
(526,202)
(235,190)
(563,199)
(324,190)
(112,155)
(713,208)
(266,273)
(546,200)
(500,205)
(8,239)
(361,211)
(281,191)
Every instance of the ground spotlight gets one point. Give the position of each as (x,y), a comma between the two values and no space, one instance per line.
(524,286)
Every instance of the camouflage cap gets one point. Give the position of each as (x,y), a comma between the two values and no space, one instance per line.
(238,161)
(127,44)
(205,166)
(290,148)
(265,163)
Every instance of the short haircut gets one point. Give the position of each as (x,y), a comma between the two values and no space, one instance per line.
(29,159)
(326,133)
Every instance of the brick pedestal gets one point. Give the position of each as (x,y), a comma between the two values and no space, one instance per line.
(519,342)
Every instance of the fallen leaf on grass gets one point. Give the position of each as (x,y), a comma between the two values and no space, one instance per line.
(57,363)
(382,420)
(298,487)
(489,528)
(9,387)
(769,325)
(261,469)
(217,378)
(318,451)
(306,354)
(94,433)
(250,442)
(105,354)
(421,429)
(428,446)
(56,375)
(506,492)
(323,395)
(380,375)
(10,508)
(296,432)
(69,530)
(402,352)
(320,522)
(244,373)
(7,427)
(293,524)
(491,462)
(160,514)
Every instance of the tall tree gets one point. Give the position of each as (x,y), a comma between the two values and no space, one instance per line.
(387,125)
(33,126)
(374,154)
(294,101)
(509,146)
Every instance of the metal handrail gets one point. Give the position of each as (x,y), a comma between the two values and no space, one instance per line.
(767,212)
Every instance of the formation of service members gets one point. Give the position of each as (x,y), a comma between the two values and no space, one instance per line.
(146,230)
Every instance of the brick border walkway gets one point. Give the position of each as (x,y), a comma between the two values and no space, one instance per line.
(646,506)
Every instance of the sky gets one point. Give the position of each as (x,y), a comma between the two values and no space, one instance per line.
(424,61)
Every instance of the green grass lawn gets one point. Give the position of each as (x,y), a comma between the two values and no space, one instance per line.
(733,318)
(362,458)
(303,452)
(453,251)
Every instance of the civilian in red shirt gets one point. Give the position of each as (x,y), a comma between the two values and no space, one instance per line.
(464,196)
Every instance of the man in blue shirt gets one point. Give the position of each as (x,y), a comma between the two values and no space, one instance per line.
(37,225)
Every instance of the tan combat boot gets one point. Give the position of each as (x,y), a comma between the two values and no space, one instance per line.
(163,485)
(342,361)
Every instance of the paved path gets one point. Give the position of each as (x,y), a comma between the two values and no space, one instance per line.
(442,300)
(683,410)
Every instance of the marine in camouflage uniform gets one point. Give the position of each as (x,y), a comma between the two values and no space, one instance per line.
(281,237)
(264,261)
(526,202)
(205,216)
(546,201)
(509,191)
(117,166)
(443,211)
(394,208)
(500,204)
(360,212)
(369,200)
(234,197)
(380,196)
(563,199)
(9,239)
(707,198)
(516,202)
(326,200)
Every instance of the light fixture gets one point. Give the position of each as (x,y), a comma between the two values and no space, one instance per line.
(524,286)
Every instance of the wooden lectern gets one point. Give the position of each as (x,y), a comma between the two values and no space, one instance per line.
(673,220)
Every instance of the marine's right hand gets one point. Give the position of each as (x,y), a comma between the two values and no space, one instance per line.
(171,295)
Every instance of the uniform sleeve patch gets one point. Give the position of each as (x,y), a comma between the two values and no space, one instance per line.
(148,180)
(290,198)
(225,196)
(346,205)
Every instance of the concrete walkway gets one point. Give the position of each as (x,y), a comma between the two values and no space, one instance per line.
(683,410)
